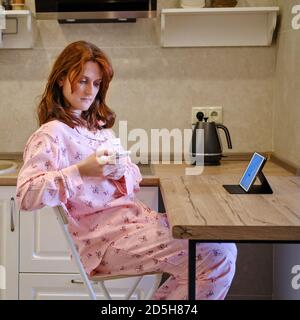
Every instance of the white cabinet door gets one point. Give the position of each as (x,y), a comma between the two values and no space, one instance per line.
(9,250)
(43,247)
(69,287)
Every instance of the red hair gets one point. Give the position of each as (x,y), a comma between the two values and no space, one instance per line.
(70,64)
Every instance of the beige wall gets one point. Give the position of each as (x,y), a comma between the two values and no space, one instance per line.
(287,89)
(153,87)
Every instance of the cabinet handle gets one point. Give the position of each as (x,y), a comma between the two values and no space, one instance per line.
(76,281)
(12,212)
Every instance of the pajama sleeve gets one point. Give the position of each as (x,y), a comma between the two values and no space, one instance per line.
(41,181)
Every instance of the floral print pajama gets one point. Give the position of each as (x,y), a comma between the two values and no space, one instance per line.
(114,232)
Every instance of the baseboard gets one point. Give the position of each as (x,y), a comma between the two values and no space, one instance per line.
(243,156)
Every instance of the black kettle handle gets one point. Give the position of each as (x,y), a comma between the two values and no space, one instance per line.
(220,126)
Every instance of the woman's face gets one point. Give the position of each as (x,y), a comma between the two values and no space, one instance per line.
(86,88)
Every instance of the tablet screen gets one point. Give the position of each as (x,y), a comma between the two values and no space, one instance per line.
(250,173)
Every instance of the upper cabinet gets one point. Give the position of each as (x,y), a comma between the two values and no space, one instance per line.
(16,29)
(216,27)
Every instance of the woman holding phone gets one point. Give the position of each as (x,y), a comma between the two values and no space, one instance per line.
(74,160)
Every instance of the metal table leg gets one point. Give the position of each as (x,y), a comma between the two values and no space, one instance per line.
(192,270)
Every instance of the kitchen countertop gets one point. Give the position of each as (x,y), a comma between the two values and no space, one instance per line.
(227,167)
(11,178)
(153,173)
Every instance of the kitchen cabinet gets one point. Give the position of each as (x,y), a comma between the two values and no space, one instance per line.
(18,30)
(46,268)
(43,247)
(9,244)
(216,27)
(69,286)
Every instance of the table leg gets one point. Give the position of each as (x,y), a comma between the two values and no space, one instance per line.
(192,269)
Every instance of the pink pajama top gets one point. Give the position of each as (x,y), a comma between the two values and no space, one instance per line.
(49,177)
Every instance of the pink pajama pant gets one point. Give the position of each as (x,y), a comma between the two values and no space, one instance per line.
(215,267)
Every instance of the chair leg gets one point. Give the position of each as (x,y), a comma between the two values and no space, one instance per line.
(154,287)
(91,291)
(128,294)
(105,291)
(133,287)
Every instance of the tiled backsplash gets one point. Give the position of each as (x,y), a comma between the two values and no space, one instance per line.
(287,84)
(153,87)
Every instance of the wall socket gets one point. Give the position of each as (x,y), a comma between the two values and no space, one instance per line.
(213,113)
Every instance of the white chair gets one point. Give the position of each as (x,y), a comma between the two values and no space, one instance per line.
(89,281)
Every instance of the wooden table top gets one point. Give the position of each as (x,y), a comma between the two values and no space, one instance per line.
(198,207)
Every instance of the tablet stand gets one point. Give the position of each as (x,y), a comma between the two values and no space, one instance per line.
(263,188)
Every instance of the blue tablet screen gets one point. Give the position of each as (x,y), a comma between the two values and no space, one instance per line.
(253,167)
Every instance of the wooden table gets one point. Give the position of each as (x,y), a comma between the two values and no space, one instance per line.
(200,209)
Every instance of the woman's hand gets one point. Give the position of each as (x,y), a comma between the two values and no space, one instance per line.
(113,167)
(104,163)
(90,167)
(114,171)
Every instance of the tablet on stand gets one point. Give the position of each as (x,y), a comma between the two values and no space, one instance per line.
(253,171)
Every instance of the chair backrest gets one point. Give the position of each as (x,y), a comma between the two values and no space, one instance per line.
(63,221)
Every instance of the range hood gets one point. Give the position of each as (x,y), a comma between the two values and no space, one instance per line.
(95,10)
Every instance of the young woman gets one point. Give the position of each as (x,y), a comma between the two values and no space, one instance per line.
(113,231)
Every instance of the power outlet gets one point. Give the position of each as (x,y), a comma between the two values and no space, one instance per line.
(195,110)
(212,113)
(215,114)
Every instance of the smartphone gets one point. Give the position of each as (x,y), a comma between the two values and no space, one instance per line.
(122,154)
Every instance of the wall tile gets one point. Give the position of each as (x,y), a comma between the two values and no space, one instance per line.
(153,87)
(287,94)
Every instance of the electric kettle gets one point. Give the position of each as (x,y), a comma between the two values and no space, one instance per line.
(212,148)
